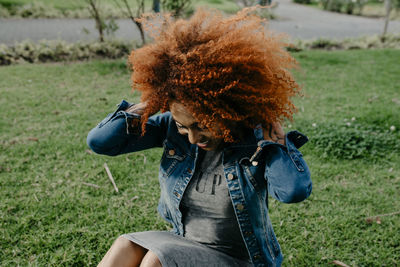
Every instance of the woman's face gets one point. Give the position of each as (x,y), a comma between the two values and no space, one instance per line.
(187,125)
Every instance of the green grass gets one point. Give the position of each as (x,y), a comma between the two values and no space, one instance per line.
(48,217)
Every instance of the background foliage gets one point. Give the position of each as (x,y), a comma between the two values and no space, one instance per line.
(110,9)
(57,51)
(371,8)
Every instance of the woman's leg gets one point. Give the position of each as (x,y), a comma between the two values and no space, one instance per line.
(123,253)
(150,260)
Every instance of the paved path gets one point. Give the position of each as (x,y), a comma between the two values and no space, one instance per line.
(300,22)
(303,22)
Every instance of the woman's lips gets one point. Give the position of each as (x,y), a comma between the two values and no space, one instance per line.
(202,145)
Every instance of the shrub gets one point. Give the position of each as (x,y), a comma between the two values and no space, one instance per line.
(38,10)
(351,140)
(48,51)
(55,51)
(344,6)
(305,2)
(4,13)
(366,42)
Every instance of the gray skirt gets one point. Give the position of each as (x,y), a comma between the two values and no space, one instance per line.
(176,251)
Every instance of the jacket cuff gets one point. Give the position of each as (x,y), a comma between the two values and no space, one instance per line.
(294,140)
(132,120)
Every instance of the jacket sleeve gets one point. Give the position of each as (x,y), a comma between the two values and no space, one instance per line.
(113,136)
(286,172)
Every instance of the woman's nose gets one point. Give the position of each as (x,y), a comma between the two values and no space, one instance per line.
(193,136)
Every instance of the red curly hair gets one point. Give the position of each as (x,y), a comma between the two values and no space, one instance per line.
(226,71)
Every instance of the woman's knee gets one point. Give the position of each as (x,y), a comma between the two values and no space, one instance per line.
(121,243)
(150,260)
(123,252)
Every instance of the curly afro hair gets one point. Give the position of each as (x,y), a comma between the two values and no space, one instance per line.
(227,71)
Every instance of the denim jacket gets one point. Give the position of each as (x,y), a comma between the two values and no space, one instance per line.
(254,169)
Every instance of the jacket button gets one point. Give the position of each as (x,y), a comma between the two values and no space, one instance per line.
(240,207)
(171,152)
(231,176)
(257,257)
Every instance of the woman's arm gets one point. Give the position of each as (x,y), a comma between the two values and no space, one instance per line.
(286,171)
(114,135)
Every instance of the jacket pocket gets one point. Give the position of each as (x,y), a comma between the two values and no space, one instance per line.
(171,157)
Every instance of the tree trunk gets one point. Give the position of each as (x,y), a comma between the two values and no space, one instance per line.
(96,15)
(388,8)
(140,27)
(156,6)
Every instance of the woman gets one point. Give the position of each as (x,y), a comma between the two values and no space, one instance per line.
(223,87)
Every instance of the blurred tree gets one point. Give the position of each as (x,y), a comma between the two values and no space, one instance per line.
(127,10)
(94,9)
(264,2)
(102,25)
(388,8)
(156,6)
(177,7)
(246,3)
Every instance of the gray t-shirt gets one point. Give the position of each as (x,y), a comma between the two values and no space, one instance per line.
(208,215)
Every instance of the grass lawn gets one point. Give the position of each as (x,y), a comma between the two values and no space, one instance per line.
(50,217)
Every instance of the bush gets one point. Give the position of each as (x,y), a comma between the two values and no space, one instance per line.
(344,6)
(367,42)
(55,51)
(4,13)
(351,140)
(38,10)
(305,2)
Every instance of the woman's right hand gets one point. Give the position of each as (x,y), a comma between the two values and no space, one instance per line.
(137,108)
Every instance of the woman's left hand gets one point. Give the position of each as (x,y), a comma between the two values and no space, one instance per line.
(275,133)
